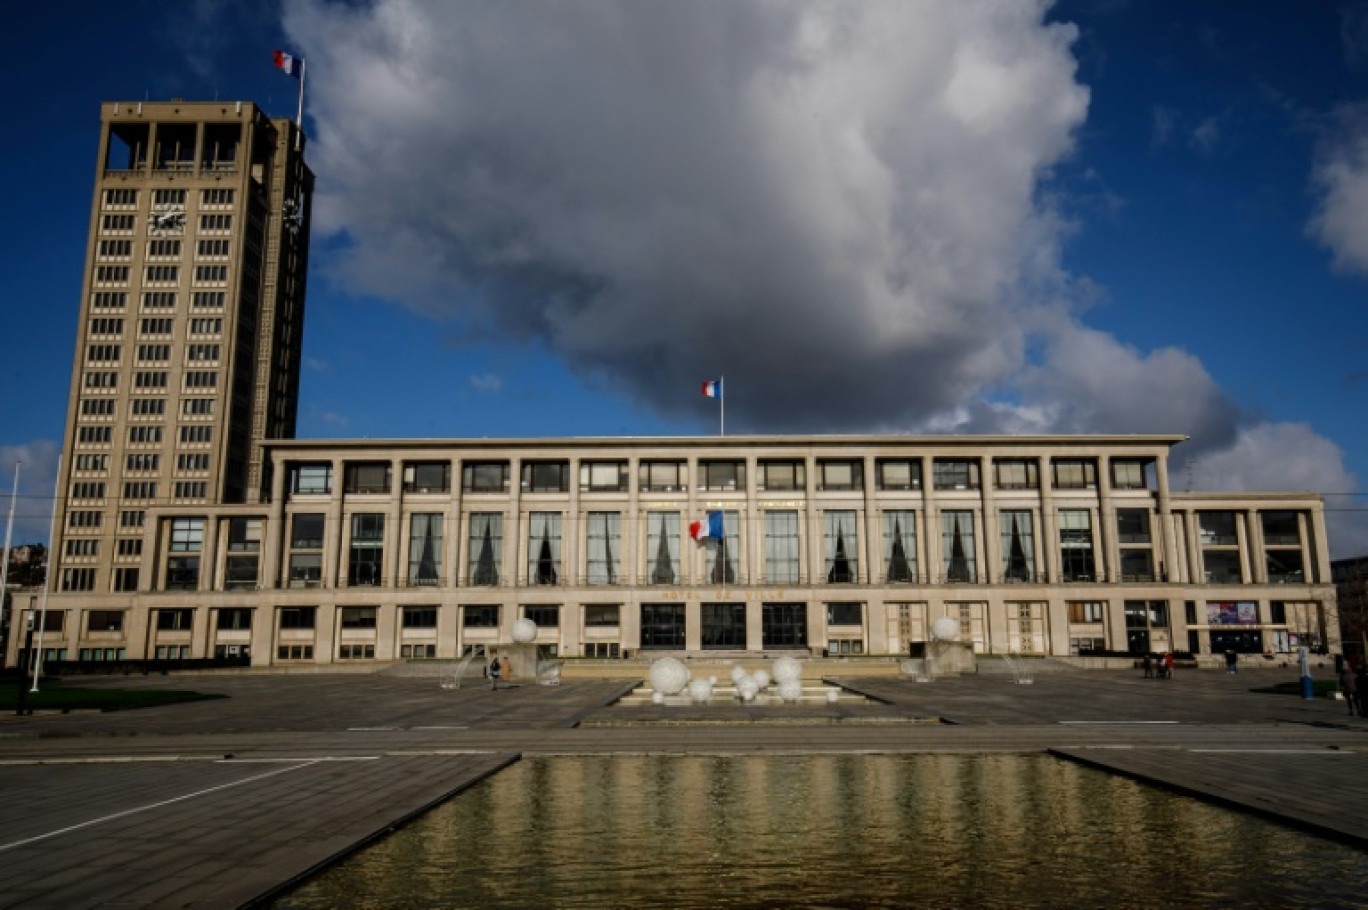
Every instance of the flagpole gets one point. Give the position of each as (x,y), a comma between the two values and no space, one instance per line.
(299,117)
(722,404)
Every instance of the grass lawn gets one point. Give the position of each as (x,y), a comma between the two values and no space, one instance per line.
(53,696)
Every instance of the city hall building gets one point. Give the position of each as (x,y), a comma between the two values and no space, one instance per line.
(190,526)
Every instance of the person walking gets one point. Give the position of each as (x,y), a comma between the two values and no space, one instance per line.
(1168,665)
(1232,662)
(495,669)
(1348,683)
(1148,665)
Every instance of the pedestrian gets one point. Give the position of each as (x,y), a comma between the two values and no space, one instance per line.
(1148,666)
(1232,662)
(1168,665)
(494,670)
(1349,686)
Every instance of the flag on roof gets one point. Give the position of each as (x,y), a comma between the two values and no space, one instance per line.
(291,64)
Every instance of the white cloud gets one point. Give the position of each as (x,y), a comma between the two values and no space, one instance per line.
(37,482)
(834,204)
(1341,181)
(486,382)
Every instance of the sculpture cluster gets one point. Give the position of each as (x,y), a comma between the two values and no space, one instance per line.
(669,676)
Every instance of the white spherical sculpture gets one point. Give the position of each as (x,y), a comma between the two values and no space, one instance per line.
(668,676)
(524,631)
(657,698)
(746,688)
(736,673)
(832,696)
(786,668)
(947,628)
(762,679)
(790,689)
(700,690)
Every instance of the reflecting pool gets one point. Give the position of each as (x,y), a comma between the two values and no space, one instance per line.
(833,831)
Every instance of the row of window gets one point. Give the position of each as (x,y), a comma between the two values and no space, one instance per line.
(161,274)
(157,300)
(162,248)
(718,474)
(782,560)
(143,435)
(125,223)
(124,197)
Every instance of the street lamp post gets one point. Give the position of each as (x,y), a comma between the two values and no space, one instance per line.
(25,655)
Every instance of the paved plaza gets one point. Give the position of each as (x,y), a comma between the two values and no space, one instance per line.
(223,803)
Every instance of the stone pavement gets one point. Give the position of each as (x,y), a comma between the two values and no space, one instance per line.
(220,804)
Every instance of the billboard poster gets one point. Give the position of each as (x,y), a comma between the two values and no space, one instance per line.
(1232,613)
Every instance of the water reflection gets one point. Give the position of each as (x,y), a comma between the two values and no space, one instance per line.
(833,832)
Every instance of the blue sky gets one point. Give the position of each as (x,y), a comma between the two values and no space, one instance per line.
(543,219)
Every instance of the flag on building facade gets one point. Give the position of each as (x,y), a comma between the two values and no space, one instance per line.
(708,527)
(291,64)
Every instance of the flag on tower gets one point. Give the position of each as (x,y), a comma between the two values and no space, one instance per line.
(292,65)
(712,388)
(709,527)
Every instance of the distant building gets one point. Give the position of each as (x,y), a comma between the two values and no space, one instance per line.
(1351,586)
(194,528)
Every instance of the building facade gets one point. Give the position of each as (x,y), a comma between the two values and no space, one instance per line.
(191,325)
(191,527)
(371,550)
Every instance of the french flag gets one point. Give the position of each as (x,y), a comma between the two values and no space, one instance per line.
(708,527)
(712,388)
(291,64)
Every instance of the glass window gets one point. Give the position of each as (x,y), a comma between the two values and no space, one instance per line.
(783,625)
(485,554)
(187,535)
(1018,545)
(420,617)
(1217,528)
(958,559)
(1128,475)
(841,475)
(368,477)
(1221,567)
(898,473)
(722,475)
(484,477)
(603,476)
(235,619)
(427,477)
(955,473)
(105,621)
(1280,528)
(723,626)
(425,548)
(662,547)
(1085,611)
(841,545)
(1074,474)
(1076,545)
(1016,474)
(900,546)
(1137,565)
(845,614)
(781,547)
(480,616)
(358,617)
(662,476)
(306,570)
(722,554)
(244,534)
(1284,566)
(240,571)
(306,531)
(307,479)
(297,617)
(1132,526)
(367,556)
(601,615)
(544,548)
(662,626)
(183,565)
(546,616)
(175,620)
(546,476)
(605,543)
(781,475)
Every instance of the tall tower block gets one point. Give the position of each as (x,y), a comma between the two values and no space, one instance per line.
(191,327)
